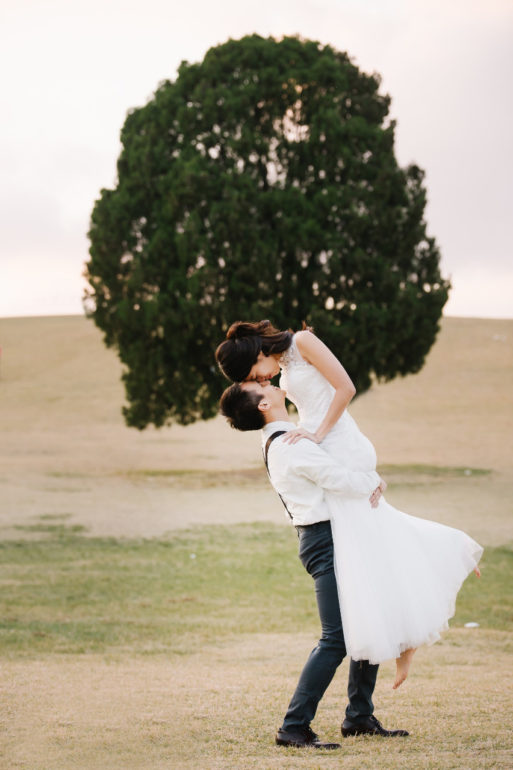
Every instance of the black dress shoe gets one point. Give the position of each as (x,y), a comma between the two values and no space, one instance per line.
(300,737)
(371,726)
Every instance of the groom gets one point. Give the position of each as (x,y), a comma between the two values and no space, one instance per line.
(301,473)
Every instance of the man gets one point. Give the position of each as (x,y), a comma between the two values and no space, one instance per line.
(301,473)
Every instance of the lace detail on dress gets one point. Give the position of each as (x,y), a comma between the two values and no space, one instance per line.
(292,356)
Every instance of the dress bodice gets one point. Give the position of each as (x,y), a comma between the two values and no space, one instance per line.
(312,394)
(306,387)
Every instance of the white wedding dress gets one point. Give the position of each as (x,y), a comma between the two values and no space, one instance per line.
(398,575)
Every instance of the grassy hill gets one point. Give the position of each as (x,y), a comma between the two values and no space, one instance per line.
(66,450)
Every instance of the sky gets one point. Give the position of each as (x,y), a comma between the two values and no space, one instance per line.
(71,70)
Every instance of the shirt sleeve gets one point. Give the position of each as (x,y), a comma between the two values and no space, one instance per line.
(319,467)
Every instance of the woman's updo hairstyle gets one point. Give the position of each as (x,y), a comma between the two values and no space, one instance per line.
(244,341)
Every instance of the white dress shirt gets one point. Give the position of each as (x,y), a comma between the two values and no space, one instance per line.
(302,472)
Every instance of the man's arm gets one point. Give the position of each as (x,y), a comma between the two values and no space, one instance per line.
(317,465)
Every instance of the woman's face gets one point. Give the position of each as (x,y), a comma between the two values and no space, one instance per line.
(265,368)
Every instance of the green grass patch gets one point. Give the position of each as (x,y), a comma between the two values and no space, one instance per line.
(433,471)
(55,516)
(68,593)
(59,530)
(194,478)
(186,477)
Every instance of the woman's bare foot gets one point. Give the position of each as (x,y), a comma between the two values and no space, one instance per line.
(477,571)
(403,663)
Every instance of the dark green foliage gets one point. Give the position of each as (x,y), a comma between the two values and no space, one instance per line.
(262,183)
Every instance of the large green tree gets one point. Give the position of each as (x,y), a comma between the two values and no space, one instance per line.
(261,183)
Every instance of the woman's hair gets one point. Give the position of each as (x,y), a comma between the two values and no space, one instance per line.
(244,341)
(240,407)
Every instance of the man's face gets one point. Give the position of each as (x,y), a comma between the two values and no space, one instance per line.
(274,396)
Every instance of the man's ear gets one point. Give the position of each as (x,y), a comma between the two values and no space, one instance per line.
(263,405)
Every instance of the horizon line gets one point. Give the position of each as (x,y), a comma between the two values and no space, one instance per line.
(83,315)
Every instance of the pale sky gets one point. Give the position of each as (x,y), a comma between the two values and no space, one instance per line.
(71,70)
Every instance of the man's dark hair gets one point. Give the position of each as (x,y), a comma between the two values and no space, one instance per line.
(241,408)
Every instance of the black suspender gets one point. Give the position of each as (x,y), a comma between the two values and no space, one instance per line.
(266,452)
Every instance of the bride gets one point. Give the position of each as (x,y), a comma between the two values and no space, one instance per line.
(397,575)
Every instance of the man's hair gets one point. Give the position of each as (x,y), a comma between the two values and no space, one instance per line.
(240,407)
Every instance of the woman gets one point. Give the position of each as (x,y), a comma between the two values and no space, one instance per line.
(397,575)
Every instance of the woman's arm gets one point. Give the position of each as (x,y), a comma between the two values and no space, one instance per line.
(319,355)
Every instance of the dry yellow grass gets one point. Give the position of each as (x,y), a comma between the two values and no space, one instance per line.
(220,710)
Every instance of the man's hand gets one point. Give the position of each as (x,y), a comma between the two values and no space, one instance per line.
(375,497)
(293,436)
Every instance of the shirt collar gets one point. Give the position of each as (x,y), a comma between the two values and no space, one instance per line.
(271,427)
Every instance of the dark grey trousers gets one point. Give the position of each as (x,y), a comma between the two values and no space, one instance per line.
(316,554)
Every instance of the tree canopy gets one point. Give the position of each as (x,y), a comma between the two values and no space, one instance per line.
(260,183)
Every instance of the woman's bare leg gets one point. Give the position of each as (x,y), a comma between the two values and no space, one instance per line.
(403,663)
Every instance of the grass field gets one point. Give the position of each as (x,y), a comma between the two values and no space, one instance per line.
(183,653)
(154,613)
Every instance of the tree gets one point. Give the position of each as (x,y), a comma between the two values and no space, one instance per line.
(261,183)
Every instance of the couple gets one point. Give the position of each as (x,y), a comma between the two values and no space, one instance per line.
(385,582)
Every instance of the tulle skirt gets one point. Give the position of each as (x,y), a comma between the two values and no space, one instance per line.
(398,576)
